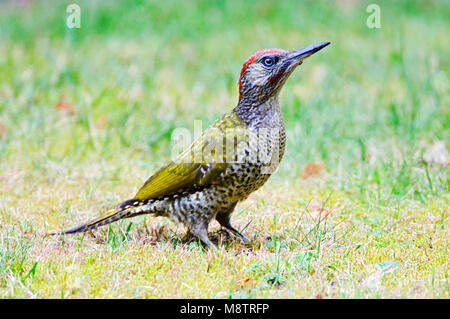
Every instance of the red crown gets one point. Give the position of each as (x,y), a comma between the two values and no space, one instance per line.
(251,59)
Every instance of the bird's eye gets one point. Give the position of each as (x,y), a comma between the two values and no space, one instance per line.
(268,61)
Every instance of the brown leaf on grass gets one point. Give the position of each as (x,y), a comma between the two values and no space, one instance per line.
(310,170)
(64,106)
(3,130)
(241,281)
(246,282)
(100,124)
(316,209)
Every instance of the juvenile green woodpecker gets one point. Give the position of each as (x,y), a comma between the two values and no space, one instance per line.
(231,159)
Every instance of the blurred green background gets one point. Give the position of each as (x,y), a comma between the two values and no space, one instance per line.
(111,92)
(86,116)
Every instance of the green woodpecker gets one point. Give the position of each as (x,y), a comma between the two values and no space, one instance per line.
(231,159)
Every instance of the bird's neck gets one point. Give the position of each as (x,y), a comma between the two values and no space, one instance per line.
(257,113)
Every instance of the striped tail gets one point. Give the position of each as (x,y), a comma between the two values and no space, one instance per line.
(127,209)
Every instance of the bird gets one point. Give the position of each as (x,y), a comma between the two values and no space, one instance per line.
(231,159)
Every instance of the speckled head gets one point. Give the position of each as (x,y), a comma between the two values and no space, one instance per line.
(264,72)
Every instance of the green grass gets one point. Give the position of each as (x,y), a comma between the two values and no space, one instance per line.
(86,115)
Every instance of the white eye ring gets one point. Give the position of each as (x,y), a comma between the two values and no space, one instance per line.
(268,61)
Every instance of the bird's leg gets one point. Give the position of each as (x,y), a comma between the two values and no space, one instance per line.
(201,231)
(224,220)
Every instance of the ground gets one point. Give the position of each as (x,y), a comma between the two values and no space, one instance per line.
(357,209)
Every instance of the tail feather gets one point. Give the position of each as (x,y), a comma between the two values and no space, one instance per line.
(120,212)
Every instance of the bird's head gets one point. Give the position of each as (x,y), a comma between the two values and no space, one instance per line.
(264,72)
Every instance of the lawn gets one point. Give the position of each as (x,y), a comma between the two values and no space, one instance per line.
(359,207)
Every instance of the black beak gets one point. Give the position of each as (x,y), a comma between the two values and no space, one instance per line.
(300,54)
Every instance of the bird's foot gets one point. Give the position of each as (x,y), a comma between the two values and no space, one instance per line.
(237,234)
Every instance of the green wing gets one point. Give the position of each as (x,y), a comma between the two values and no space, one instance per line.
(204,162)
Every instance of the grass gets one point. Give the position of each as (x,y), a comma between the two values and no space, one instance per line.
(354,211)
